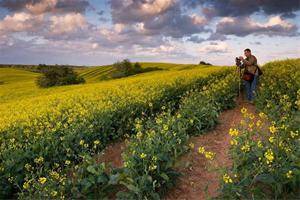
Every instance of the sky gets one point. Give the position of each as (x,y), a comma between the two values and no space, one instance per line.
(99,32)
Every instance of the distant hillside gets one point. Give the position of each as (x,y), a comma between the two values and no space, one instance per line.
(36,68)
(98,73)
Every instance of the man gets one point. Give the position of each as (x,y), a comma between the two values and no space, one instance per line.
(250,65)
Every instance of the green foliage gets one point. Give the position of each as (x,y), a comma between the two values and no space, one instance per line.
(204,63)
(126,68)
(57,76)
(152,152)
(266,149)
(72,123)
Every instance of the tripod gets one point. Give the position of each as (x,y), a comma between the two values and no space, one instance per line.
(239,72)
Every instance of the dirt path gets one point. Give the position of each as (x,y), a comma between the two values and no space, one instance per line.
(199,181)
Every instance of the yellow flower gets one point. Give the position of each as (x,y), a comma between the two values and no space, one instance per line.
(53,193)
(233,142)
(165,127)
(258,123)
(143,155)
(262,115)
(245,148)
(67,162)
(96,142)
(26,185)
(251,116)
(289,174)
(271,139)
(201,150)
(42,180)
(281,144)
(192,146)
(272,129)
(227,179)
(152,167)
(233,132)
(251,125)
(54,175)
(293,134)
(27,167)
(209,155)
(244,110)
(259,144)
(39,160)
(269,156)
(86,145)
(81,142)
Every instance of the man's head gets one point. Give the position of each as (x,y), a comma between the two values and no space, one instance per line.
(247,53)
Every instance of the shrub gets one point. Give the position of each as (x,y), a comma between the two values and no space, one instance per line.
(56,76)
(204,63)
(126,68)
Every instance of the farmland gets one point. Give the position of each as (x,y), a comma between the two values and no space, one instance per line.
(50,137)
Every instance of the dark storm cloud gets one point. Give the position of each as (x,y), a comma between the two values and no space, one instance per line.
(79,6)
(245,7)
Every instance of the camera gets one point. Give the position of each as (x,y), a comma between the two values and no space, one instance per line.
(238,62)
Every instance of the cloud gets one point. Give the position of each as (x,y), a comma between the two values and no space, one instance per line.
(214,47)
(234,8)
(68,23)
(275,26)
(44,6)
(157,17)
(21,21)
(196,39)
(130,11)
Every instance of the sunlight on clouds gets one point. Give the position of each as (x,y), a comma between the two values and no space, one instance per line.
(20,22)
(67,23)
(151,7)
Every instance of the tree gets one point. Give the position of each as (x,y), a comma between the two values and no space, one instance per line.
(58,75)
(204,63)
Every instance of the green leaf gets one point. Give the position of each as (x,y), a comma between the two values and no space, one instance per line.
(91,169)
(164,176)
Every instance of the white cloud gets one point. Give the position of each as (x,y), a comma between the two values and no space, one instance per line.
(68,23)
(243,26)
(155,7)
(20,22)
(217,47)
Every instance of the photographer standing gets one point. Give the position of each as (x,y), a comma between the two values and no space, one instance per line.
(251,74)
